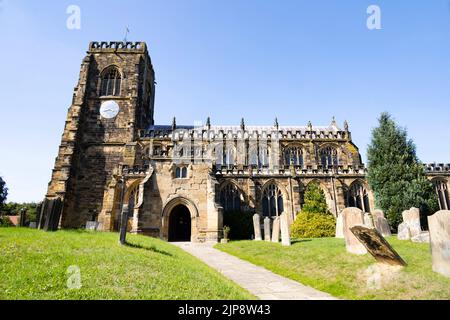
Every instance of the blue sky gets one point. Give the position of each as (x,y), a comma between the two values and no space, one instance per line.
(298,60)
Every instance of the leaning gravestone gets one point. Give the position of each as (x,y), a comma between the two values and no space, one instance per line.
(353,217)
(257,227)
(378,213)
(403,232)
(23,218)
(412,219)
(439,225)
(382,225)
(276,230)
(340,227)
(368,220)
(377,246)
(267,235)
(124,224)
(285,236)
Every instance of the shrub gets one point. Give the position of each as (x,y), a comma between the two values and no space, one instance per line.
(240,225)
(313,225)
(315,220)
(5,222)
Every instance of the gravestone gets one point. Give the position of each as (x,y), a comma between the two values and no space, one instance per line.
(124,224)
(276,230)
(403,232)
(267,235)
(50,215)
(382,225)
(285,236)
(377,246)
(340,227)
(92,225)
(32,225)
(439,225)
(423,237)
(353,217)
(257,227)
(368,220)
(378,213)
(22,217)
(412,219)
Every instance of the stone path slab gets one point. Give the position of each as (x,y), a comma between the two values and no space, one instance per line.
(262,283)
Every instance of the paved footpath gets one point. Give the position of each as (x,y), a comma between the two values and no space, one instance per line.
(262,283)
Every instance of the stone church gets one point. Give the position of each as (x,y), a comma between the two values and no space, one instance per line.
(179,181)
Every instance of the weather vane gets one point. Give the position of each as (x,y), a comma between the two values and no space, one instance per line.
(127,31)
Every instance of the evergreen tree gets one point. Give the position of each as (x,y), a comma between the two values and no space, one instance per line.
(396,175)
(3,192)
(315,201)
(315,220)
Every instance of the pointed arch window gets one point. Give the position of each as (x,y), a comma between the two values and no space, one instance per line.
(358,197)
(442,193)
(111,82)
(272,201)
(293,156)
(329,157)
(230,198)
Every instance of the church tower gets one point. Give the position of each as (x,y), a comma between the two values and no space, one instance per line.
(112,104)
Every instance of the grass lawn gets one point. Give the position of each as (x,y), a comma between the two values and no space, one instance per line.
(325,265)
(34,264)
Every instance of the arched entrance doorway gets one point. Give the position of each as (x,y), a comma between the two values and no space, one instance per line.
(180,224)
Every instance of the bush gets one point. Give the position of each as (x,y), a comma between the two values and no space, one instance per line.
(240,224)
(313,225)
(5,222)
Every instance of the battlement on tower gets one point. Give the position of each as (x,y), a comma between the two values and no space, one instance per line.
(118,47)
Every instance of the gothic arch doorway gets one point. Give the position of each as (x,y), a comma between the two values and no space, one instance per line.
(180,225)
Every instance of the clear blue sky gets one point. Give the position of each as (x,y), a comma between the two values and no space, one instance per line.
(298,60)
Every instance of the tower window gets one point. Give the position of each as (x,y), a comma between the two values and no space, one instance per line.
(111,82)
(181,173)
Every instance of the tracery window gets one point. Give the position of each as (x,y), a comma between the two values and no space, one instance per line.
(230,198)
(111,82)
(442,193)
(329,157)
(272,201)
(358,197)
(293,156)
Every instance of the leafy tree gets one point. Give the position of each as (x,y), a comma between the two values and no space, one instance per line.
(3,192)
(315,220)
(396,175)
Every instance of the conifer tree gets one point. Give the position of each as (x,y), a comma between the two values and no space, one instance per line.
(396,175)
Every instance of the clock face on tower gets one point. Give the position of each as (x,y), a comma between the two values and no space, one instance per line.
(109,109)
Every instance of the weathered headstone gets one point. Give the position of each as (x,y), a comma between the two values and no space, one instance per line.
(377,246)
(403,232)
(23,218)
(412,219)
(33,225)
(439,225)
(51,214)
(382,225)
(378,213)
(124,224)
(368,220)
(257,227)
(267,234)
(423,237)
(285,235)
(276,230)
(92,225)
(353,217)
(340,227)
